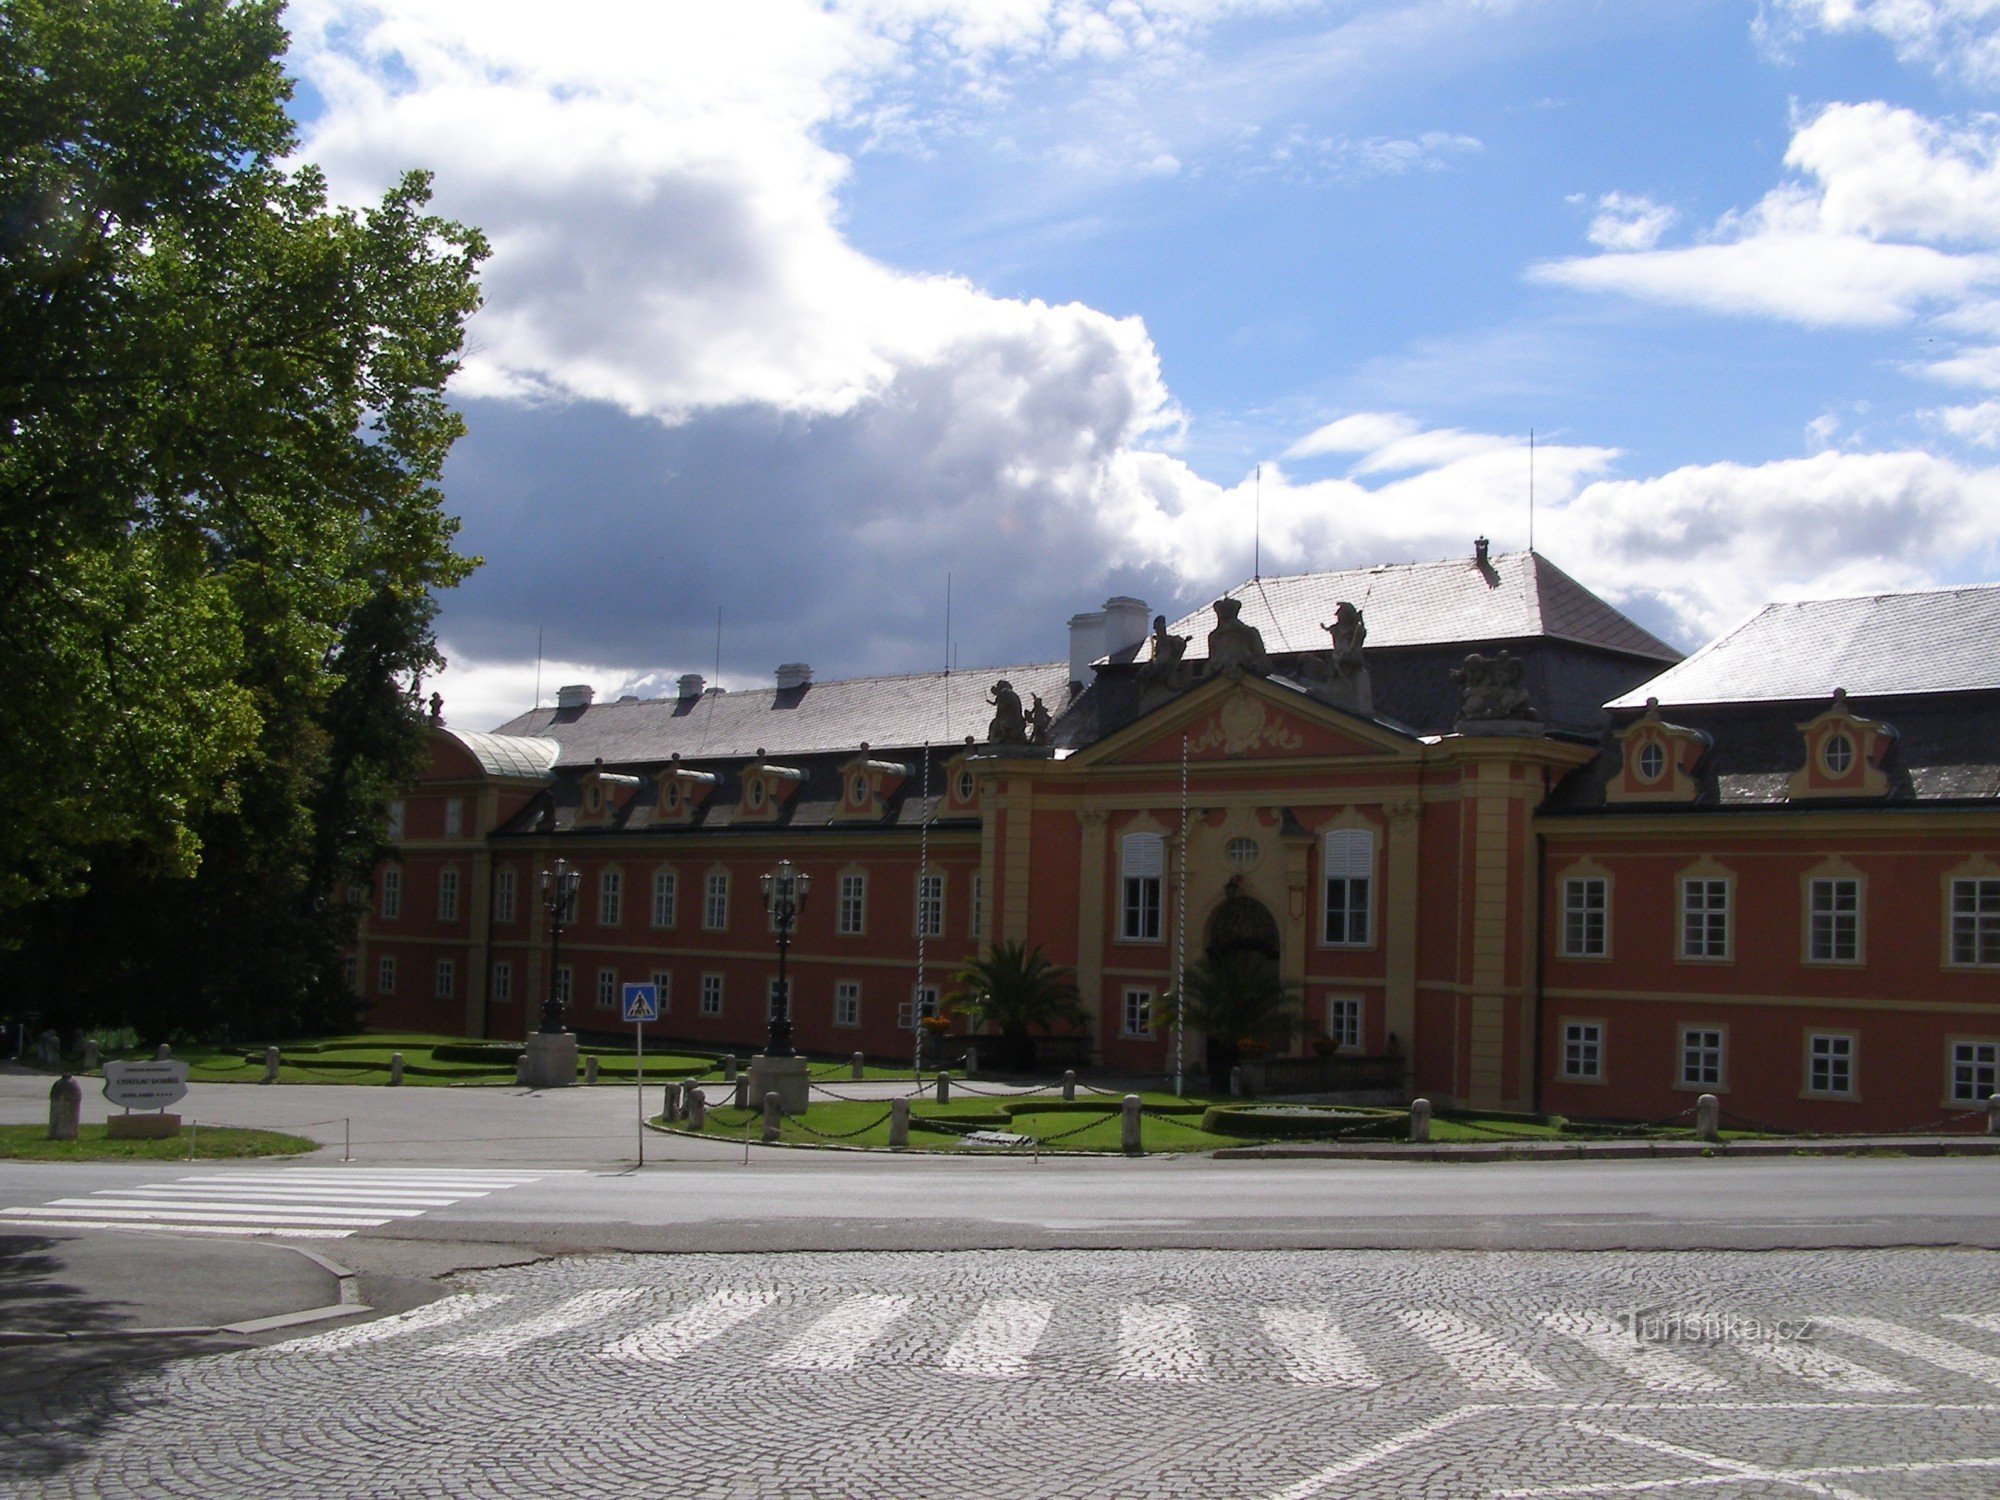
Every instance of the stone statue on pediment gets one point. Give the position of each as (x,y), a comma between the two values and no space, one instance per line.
(1493,688)
(1038,721)
(1165,669)
(1348,633)
(1233,643)
(1340,674)
(1009,725)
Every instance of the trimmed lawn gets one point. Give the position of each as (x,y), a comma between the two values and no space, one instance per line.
(31,1143)
(1086,1125)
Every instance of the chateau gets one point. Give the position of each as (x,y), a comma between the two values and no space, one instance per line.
(1515,851)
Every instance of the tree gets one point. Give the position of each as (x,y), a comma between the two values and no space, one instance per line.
(1020,991)
(1234,997)
(222,423)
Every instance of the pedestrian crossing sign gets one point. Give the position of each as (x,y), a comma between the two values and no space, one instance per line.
(642,1002)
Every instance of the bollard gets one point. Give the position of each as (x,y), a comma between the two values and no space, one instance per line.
(273,1058)
(521,1070)
(589,1069)
(65,1108)
(1708,1117)
(773,1117)
(91,1059)
(697,1110)
(1420,1120)
(899,1124)
(729,1067)
(1236,1083)
(395,1069)
(688,1087)
(742,1090)
(670,1102)
(162,1052)
(856,1067)
(944,1088)
(1128,1127)
(1993,1115)
(971,1061)
(1069,1085)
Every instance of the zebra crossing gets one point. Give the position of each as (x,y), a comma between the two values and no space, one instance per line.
(1006,1338)
(318,1203)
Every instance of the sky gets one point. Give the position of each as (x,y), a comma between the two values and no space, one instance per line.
(806,316)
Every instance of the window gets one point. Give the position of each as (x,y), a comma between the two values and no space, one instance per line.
(664,891)
(503,983)
(454,817)
(1652,761)
(976,919)
(1701,1057)
(930,906)
(923,1002)
(1975,1071)
(396,818)
(1242,853)
(350,972)
(1141,858)
(851,916)
(1838,753)
(1138,1015)
(610,897)
(565,984)
(1829,1063)
(385,975)
(965,787)
(505,888)
(663,986)
(1586,900)
(447,979)
(392,894)
(771,998)
(607,989)
(711,994)
(847,1003)
(1833,921)
(447,895)
(1350,865)
(1975,921)
(1583,1050)
(1704,918)
(715,907)
(1343,1019)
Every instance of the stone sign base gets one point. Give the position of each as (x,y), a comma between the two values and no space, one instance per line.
(142,1127)
(551,1060)
(783,1076)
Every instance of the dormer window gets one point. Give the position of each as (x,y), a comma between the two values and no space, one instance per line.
(965,785)
(1838,754)
(1844,755)
(670,795)
(1652,761)
(756,794)
(857,790)
(868,785)
(1658,761)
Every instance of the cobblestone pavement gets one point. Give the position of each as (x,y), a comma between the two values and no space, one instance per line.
(1262,1375)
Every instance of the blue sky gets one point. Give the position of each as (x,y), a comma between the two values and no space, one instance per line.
(798,309)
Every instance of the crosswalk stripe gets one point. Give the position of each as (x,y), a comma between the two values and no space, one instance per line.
(280,1211)
(1156,1341)
(1654,1367)
(1984,1322)
(1480,1359)
(573,1313)
(308,1194)
(440,1314)
(997,1342)
(93,1214)
(664,1342)
(841,1337)
(1315,1350)
(291,1232)
(1927,1347)
(1824,1368)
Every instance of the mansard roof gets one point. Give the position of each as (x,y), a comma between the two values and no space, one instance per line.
(1461,601)
(509,755)
(886,713)
(1880,645)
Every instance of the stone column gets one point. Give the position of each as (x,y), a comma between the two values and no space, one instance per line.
(1069,1084)
(899,1124)
(273,1060)
(697,1110)
(944,1088)
(65,1108)
(856,1067)
(1399,929)
(1128,1126)
(1420,1120)
(1092,899)
(774,1115)
(1708,1117)
(395,1069)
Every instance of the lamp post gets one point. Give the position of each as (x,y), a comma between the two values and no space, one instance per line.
(784,898)
(559,895)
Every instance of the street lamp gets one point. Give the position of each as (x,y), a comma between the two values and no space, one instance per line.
(559,895)
(784,898)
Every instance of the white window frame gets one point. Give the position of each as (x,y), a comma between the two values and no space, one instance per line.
(389,899)
(1701,1049)
(663,986)
(607,988)
(851,906)
(565,983)
(1833,933)
(454,817)
(1344,1019)
(1586,916)
(445,985)
(1707,926)
(666,896)
(847,1003)
(1972,1064)
(711,994)
(715,902)
(506,887)
(922,1002)
(1583,1051)
(448,894)
(1135,1014)
(503,982)
(385,974)
(1347,888)
(1142,863)
(610,897)
(350,972)
(1973,918)
(398,817)
(1831,1064)
(929,915)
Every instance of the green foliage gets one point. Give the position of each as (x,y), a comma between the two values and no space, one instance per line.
(1020,991)
(1238,995)
(1265,1122)
(203,1142)
(222,423)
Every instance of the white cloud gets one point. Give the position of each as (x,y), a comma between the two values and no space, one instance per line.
(1956,36)
(1629,221)
(1978,424)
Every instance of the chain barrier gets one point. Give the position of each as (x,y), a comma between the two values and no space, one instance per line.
(1174,1117)
(1063,1135)
(846,1135)
(822,1089)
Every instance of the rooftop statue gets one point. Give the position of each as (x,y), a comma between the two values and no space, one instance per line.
(1164,668)
(1008,726)
(1347,633)
(1492,687)
(1038,722)
(1234,644)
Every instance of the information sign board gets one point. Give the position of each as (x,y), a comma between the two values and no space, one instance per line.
(642,1002)
(146,1085)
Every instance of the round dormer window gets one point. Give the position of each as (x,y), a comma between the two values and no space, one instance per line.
(965,786)
(756,794)
(596,800)
(1652,761)
(1838,754)
(860,790)
(670,795)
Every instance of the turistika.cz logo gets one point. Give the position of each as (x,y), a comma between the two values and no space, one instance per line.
(1659,1325)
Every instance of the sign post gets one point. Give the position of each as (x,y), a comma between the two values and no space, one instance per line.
(641,1004)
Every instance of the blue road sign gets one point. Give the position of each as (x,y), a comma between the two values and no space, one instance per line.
(642,1002)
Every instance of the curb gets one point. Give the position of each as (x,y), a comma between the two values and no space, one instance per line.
(1483,1151)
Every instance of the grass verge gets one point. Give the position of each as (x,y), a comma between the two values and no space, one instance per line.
(209,1143)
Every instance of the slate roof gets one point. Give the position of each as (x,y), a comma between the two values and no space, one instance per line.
(887,713)
(1515,596)
(510,755)
(1882,645)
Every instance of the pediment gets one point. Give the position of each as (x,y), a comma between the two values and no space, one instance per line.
(1246,719)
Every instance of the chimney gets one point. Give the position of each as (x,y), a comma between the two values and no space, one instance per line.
(1125,623)
(794,674)
(576,695)
(1086,644)
(1479,551)
(691,685)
